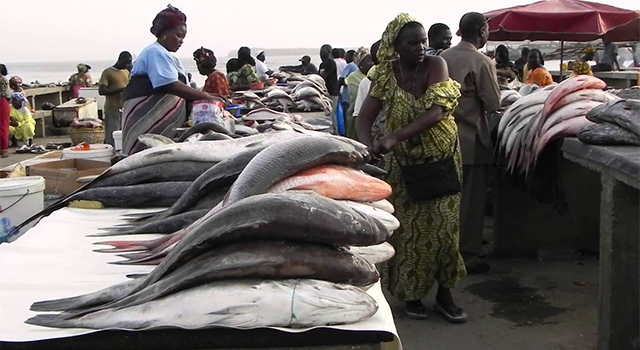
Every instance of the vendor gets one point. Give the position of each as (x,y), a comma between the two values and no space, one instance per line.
(155,99)
(537,73)
(80,79)
(505,69)
(261,67)
(216,83)
(305,67)
(15,83)
(22,126)
(247,76)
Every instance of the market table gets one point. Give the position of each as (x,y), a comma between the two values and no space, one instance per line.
(618,307)
(55,259)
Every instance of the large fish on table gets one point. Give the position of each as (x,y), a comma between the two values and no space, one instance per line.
(158,194)
(569,127)
(286,158)
(294,216)
(337,182)
(288,216)
(242,260)
(221,174)
(608,134)
(243,304)
(624,113)
(514,111)
(163,172)
(580,82)
(584,95)
(572,110)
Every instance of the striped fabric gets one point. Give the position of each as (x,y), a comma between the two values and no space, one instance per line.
(156,114)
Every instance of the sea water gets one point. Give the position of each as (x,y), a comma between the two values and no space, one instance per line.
(59,72)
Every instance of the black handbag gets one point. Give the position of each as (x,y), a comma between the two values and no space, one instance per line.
(429,181)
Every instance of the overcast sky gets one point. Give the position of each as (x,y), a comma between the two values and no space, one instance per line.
(63,30)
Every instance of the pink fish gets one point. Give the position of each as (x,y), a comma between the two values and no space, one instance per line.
(336,182)
(569,127)
(572,110)
(581,95)
(563,89)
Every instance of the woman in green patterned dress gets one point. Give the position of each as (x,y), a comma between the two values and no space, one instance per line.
(418,98)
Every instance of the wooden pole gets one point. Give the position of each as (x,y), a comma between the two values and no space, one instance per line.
(561,59)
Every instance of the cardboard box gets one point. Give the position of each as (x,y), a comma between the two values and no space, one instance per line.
(60,176)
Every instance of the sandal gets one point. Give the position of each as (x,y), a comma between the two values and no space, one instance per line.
(449,317)
(23,149)
(416,312)
(38,150)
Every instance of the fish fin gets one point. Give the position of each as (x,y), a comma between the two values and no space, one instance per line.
(160,152)
(254,144)
(135,276)
(242,315)
(50,320)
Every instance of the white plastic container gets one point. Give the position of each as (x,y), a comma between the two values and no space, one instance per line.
(98,152)
(117,140)
(20,198)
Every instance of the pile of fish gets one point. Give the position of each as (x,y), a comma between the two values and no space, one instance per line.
(289,236)
(616,123)
(305,93)
(544,115)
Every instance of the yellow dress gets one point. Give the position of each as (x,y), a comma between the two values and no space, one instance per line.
(427,242)
(26,128)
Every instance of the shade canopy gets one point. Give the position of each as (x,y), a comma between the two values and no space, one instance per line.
(567,20)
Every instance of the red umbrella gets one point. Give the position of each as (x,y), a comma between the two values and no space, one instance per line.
(565,20)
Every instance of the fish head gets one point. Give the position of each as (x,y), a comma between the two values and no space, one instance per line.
(320,302)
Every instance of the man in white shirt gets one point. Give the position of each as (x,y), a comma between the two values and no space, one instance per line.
(261,67)
(341,63)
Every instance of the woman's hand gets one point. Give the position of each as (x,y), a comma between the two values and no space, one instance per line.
(384,145)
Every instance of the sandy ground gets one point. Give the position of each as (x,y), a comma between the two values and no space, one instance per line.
(520,304)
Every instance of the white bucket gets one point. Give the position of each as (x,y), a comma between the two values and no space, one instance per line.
(117,139)
(98,152)
(20,198)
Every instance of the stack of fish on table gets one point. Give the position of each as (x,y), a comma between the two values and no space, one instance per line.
(542,115)
(305,94)
(280,229)
(616,123)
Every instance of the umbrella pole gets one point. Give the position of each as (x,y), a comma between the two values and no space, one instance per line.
(561,59)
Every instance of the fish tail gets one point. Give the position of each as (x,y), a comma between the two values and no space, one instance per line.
(140,216)
(115,231)
(50,320)
(141,259)
(123,246)
(63,304)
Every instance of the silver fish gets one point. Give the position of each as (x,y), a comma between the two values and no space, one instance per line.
(291,156)
(240,304)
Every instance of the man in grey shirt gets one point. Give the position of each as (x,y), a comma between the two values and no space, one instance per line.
(609,59)
(480,94)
